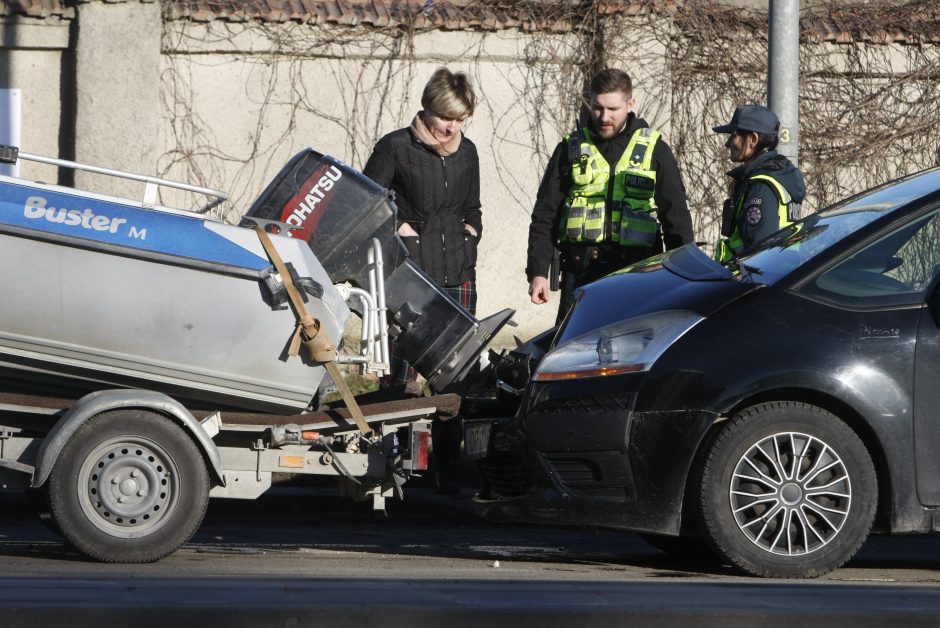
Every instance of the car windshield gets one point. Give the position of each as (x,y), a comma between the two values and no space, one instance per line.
(790,247)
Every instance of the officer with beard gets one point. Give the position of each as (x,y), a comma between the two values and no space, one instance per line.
(611,195)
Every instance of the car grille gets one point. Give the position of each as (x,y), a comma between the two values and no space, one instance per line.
(588,405)
(602,477)
(506,474)
(575,472)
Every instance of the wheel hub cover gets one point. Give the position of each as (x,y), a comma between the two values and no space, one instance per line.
(129,485)
(790,493)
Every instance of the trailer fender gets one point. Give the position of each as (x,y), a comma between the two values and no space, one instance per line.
(104,400)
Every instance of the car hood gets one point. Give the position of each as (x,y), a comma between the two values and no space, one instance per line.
(682,279)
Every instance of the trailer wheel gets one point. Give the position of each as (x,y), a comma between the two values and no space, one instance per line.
(129,487)
(39,500)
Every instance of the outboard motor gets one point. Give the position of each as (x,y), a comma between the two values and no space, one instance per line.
(339,211)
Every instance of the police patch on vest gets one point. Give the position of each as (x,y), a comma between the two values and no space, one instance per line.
(634,181)
(752,213)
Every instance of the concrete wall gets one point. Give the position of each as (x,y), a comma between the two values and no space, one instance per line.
(244,106)
(90,89)
(244,99)
(31,52)
(225,105)
(117,51)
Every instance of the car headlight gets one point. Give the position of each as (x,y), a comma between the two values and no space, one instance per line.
(626,346)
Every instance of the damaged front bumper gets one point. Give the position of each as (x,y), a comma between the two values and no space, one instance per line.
(535,473)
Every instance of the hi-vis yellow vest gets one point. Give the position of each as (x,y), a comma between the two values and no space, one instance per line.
(631,219)
(727,248)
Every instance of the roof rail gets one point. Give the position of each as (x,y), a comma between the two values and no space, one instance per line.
(10,155)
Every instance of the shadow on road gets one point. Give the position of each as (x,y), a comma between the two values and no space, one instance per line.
(308,519)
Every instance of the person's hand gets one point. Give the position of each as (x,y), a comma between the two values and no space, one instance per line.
(407,231)
(538,290)
(469,229)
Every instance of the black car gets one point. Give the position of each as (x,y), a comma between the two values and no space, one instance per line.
(776,409)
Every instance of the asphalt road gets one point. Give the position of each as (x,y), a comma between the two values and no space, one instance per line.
(305,557)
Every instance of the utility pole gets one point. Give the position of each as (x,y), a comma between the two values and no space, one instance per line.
(783,81)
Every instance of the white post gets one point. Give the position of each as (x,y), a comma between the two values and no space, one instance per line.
(783,85)
(10,124)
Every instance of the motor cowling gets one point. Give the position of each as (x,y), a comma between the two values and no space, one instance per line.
(338,211)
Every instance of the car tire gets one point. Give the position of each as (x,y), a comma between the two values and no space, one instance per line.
(787,490)
(130,486)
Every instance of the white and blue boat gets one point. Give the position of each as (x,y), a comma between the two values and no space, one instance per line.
(99,291)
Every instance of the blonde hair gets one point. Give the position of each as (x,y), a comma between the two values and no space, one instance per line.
(449,94)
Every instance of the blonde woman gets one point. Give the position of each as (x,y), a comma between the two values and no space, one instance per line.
(434,171)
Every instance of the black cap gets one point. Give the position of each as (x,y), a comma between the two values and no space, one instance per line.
(751,118)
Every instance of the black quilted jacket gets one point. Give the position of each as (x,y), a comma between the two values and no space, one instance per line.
(438,196)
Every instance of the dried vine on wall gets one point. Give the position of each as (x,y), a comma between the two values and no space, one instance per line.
(276,90)
(868,110)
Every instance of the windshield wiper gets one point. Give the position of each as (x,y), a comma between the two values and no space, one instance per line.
(744,270)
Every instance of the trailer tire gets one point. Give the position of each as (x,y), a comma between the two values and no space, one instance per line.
(39,500)
(130,486)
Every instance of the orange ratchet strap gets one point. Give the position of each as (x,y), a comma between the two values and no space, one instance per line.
(307,334)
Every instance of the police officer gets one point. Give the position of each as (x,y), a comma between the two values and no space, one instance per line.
(767,188)
(611,195)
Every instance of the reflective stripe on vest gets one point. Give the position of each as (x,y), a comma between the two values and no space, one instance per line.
(728,248)
(586,210)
